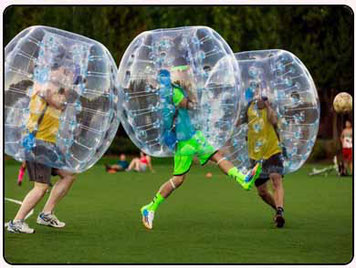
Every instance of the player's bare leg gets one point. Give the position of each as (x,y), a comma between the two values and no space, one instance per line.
(278,198)
(266,195)
(18,225)
(169,186)
(31,200)
(245,180)
(349,166)
(164,191)
(59,190)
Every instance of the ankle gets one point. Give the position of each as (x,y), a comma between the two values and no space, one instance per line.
(46,212)
(279,210)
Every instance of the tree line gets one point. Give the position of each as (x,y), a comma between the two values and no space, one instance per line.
(321,36)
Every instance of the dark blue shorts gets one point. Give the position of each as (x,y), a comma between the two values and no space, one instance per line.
(274,164)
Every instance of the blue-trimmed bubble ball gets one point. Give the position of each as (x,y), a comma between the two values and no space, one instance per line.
(60,98)
(278,79)
(199,62)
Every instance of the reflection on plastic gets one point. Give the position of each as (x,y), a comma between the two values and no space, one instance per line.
(281,78)
(60,98)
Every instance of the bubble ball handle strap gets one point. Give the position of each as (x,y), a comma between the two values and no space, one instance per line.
(168,109)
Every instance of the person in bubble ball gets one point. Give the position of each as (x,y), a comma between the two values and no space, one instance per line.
(46,105)
(263,146)
(189,142)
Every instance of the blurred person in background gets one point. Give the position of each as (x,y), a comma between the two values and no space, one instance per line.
(346,143)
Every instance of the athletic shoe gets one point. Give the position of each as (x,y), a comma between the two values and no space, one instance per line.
(19,226)
(147,217)
(279,220)
(249,179)
(49,220)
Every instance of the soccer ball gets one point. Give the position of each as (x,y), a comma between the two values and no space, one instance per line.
(208,175)
(343,103)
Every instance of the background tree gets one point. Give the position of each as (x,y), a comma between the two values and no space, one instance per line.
(321,36)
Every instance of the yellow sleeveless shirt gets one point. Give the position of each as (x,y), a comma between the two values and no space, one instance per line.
(48,128)
(262,139)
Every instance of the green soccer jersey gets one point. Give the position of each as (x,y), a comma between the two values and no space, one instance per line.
(183,126)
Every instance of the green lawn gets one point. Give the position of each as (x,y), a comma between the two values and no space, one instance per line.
(205,221)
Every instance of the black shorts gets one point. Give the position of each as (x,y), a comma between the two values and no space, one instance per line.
(46,153)
(274,164)
(40,173)
(43,152)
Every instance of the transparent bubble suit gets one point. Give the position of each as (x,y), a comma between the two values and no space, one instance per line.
(60,98)
(212,75)
(283,79)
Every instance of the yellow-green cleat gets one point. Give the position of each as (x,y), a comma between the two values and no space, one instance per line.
(252,176)
(246,180)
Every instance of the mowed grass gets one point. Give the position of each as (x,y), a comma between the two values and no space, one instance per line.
(205,221)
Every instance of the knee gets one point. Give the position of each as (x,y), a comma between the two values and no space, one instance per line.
(41,188)
(217,156)
(69,177)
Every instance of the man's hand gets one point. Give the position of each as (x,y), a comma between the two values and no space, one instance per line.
(188,104)
(191,105)
(271,114)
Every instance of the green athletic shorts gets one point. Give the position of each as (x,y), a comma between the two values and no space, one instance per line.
(186,150)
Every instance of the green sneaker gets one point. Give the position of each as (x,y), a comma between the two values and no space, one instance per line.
(247,180)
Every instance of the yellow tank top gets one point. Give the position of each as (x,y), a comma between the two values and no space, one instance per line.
(48,128)
(262,139)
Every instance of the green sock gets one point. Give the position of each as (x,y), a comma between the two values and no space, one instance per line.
(157,200)
(235,173)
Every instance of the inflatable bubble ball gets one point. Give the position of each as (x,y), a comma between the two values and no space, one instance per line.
(280,110)
(175,84)
(60,98)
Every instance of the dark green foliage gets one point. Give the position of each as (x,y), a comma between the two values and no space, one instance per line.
(321,36)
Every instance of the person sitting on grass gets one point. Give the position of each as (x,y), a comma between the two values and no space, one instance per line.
(141,164)
(120,165)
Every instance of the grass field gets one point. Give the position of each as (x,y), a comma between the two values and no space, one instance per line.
(205,221)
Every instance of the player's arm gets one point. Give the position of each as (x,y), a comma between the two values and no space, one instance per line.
(271,114)
(181,101)
(187,104)
(243,118)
